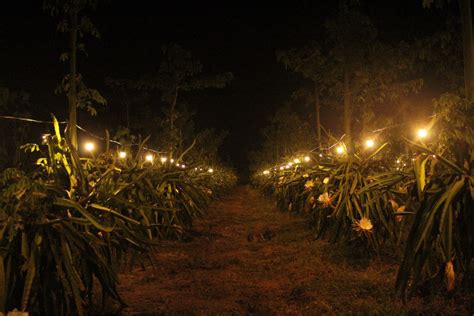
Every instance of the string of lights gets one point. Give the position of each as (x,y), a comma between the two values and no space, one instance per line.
(90,146)
(341,149)
(30,120)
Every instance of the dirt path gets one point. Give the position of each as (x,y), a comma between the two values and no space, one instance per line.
(247,258)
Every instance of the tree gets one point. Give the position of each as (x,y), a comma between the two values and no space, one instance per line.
(352,66)
(178,72)
(74,21)
(285,135)
(309,62)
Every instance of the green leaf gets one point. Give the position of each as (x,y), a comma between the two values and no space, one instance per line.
(71,204)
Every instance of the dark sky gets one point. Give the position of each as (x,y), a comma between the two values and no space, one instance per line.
(237,36)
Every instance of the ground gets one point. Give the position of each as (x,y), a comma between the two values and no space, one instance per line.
(245,257)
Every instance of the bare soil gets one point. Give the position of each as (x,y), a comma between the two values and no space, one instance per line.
(245,257)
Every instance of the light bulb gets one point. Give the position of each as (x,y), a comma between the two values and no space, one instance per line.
(422,133)
(89,146)
(296,160)
(122,154)
(340,149)
(163,159)
(210,170)
(369,143)
(307,158)
(149,157)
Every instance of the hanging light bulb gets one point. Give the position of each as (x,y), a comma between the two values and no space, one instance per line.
(296,160)
(163,159)
(307,158)
(340,149)
(369,143)
(266,172)
(210,170)
(422,133)
(89,146)
(149,158)
(122,154)
(172,160)
(183,166)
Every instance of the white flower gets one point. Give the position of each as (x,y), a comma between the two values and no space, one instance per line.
(309,185)
(363,226)
(325,199)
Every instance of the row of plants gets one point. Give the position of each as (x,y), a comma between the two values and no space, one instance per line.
(418,204)
(69,225)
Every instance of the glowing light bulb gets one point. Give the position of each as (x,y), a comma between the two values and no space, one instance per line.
(163,159)
(210,170)
(369,143)
(398,160)
(320,155)
(290,164)
(281,168)
(340,149)
(183,166)
(266,172)
(122,154)
(149,158)
(422,133)
(296,160)
(89,146)
(307,158)
(172,160)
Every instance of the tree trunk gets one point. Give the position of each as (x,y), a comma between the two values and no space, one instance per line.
(346,83)
(347,109)
(72,92)
(318,117)
(465,8)
(172,117)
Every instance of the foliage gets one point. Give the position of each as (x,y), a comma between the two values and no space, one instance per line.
(179,71)
(424,210)
(73,221)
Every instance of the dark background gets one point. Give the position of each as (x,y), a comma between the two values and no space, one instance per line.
(236,36)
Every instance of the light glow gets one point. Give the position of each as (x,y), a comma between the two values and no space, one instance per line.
(266,172)
(296,160)
(369,143)
(163,159)
(122,154)
(340,150)
(422,133)
(89,146)
(149,158)
(210,170)
(307,158)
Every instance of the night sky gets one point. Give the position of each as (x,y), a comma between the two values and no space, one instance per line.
(237,36)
